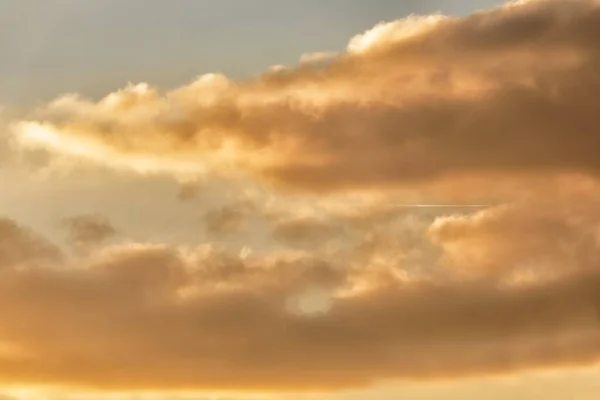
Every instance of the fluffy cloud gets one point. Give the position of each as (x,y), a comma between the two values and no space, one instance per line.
(506,90)
(555,230)
(154,316)
(346,289)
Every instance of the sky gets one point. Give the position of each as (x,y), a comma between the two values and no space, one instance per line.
(93,47)
(280,200)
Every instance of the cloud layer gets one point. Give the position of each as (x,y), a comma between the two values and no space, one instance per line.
(320,290)
(510,287)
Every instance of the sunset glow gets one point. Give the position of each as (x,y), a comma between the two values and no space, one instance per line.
(282,200)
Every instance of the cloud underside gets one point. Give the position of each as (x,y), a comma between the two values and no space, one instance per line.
(497,106)
(497,290)
(510,90)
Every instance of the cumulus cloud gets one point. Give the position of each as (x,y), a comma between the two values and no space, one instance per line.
(554,231)
(506,90)
(498,106)
(152,316)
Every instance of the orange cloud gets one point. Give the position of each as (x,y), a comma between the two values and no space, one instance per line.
(507,90)
(498,106)
(152,316)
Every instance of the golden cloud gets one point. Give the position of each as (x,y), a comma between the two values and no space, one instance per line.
(155,316)
(511,89)
(502,101)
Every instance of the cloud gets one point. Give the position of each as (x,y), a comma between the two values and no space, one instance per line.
(319,57)
(554,231)
(89,229)
(508,90)
(188,191)
(228,219)
(306,230)
(21,248)
(155,316)
(498,106)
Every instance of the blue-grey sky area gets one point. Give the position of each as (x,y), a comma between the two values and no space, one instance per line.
(50,47)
